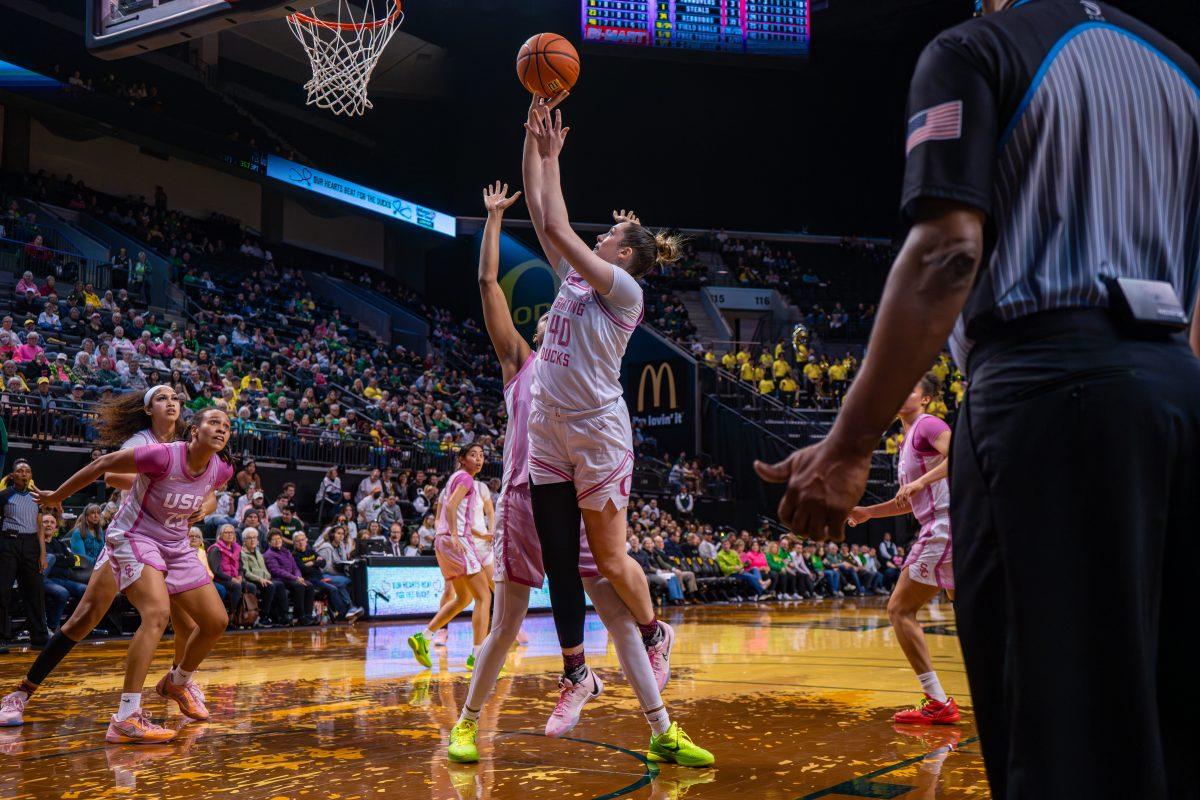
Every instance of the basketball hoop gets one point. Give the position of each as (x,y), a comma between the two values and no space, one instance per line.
(343,52)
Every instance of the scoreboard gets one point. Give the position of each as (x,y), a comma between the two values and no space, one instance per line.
(768,27)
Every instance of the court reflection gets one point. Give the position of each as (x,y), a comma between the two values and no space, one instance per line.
(794,699)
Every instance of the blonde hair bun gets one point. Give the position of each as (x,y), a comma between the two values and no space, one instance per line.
(668,248)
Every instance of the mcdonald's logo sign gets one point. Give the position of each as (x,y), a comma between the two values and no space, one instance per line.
(656,376)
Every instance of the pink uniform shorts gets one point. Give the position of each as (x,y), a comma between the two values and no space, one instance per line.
(128,553)
(517,549)
(930,559)
(593,450)
(455,563)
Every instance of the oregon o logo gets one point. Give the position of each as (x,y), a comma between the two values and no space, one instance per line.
(524,305)
(657,376)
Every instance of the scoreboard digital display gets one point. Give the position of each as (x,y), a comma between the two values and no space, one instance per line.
(763,27)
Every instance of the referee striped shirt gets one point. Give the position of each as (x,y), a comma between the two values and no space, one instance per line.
(20,512)
(1077,130)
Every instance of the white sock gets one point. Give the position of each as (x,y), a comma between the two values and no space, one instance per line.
(932,686)
(475,650)
(131,703)
(180,676)
(659,720)
(468,714)
(428,634)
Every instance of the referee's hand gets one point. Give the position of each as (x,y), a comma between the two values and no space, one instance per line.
(823,484)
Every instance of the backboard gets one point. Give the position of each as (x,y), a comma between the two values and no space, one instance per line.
(119,28)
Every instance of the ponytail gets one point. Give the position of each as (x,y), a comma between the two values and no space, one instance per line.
(651,249)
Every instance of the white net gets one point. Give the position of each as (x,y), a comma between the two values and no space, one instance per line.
(343,51)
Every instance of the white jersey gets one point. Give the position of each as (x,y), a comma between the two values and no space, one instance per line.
(579,360)
(482,495)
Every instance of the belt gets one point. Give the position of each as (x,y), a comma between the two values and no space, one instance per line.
(567,415)
(1098,325)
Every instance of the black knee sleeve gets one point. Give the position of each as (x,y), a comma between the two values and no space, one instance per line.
(556,515)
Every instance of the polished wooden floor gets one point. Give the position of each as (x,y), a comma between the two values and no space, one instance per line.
(795,700)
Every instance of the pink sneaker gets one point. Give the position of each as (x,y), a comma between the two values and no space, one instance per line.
(660,655)
(189,697)
(441,637)
(12,710)
(137,729)
(571,699)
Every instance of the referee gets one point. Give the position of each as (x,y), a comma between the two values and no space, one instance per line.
(22,554)
(1053,153)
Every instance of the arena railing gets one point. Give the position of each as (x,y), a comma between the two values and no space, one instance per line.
(70,422)
(43,261)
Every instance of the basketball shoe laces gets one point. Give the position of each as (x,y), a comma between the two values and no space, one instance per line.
(194,692)
(142,722)
(566,687)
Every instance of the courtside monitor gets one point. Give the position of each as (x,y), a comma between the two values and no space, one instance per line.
(119,28)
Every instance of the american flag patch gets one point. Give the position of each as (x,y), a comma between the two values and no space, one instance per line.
(942,122)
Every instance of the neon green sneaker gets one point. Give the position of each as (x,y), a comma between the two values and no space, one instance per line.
(420,648)
(471,661)
(462,748)
(676,746)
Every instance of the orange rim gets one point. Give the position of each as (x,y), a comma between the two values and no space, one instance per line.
(349,26)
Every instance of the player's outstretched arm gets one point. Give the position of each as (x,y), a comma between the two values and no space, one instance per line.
(549,135)
(118,461)
(531,175)
(510,348)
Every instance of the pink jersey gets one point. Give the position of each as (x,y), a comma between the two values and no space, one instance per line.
(466,507)
(165,494)
(917,457)
(142,437)
(580,356)
(516,436)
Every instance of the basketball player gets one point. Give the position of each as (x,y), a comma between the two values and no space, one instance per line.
(928,569)
(122,420)
(457,559)
(147,547)
(518,555)
(483,526)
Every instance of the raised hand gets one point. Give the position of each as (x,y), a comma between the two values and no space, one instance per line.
(547,130)
(626,216)
(496,198)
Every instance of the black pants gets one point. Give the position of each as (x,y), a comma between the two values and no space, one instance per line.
(233,595)
(1080,447)
(19,560)
(272,602)
(303,595)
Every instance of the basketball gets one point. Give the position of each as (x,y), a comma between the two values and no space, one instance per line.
(547,64)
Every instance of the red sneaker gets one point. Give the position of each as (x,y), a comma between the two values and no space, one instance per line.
(929,712)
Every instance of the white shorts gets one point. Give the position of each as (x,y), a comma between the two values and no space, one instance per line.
(483,550)
(930,559)
(592,449)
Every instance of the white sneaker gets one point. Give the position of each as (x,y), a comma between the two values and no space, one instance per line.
(571,699)
(12,710)
(660,655)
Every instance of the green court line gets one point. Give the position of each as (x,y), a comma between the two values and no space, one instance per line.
(863,785)
(649,775)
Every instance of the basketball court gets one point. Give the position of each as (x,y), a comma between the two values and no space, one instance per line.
(794,699)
